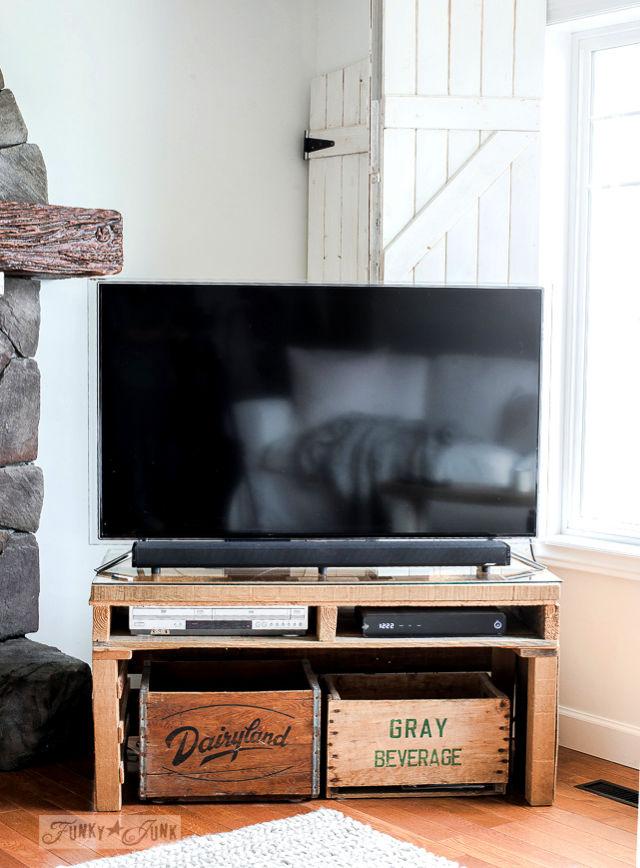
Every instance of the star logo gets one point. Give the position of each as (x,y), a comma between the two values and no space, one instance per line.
(115,829)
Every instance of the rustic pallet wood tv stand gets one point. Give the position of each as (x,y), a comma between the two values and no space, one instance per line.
(523,663)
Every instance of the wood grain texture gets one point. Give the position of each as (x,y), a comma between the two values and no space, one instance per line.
(318,594)
(449,206)
(57,241)
(101,623)
(415,730)
(580,829)
(538,600)
(108,794)
(338,202)
(327,623)
(542,730)
(221,743)
(478,74)
(121,645)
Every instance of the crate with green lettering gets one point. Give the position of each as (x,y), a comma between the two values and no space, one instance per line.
(421,733)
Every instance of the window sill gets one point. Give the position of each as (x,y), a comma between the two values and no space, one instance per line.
(589,555)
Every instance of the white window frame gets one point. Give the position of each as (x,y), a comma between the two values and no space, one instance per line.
(563,540)
(584,45)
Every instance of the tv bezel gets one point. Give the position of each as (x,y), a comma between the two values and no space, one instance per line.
(101,284)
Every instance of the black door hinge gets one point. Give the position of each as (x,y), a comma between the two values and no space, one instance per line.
(310,145)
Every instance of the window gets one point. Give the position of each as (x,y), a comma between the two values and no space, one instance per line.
(601,497)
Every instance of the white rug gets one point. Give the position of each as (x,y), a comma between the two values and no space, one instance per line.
(316,839)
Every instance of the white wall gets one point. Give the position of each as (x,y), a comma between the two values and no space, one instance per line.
(342,33)
(599,654)
(186,116)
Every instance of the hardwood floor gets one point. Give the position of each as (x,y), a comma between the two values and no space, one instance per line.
(580,829)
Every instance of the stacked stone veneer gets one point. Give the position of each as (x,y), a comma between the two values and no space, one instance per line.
(43,693)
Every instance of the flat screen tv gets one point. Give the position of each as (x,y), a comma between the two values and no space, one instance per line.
(299,411)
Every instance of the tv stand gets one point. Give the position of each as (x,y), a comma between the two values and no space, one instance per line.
(523,663)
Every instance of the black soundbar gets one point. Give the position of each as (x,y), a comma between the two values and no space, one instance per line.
(321,553)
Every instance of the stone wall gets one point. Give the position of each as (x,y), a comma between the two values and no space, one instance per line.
(23,178)
(44,694)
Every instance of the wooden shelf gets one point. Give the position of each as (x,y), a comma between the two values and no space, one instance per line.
(57,241)
(380,593)
(127,642)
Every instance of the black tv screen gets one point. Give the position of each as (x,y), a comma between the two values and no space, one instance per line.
(292,411)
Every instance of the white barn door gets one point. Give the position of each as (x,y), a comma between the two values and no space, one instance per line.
(338,220)
(461,82)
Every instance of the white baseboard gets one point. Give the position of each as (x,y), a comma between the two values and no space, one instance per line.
(600,736)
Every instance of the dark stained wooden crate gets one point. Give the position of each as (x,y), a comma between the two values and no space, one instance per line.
(229,731)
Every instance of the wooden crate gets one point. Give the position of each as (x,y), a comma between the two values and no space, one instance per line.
(232,730)
(412,733)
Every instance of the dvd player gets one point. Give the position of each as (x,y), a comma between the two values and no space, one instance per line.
(219,620)
(417,623)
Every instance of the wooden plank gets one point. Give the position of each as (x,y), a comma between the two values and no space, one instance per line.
(351,98)
(327,623)
(399,184)
(399,61)
(432,268)
(315,224)
(101,623)
(122,679)
(332,232)
(465,47)
(464,79)
(461,113)
(524,231)
(431,164)
(350,214)
(444,211)
(379,592)
(362,275)
(335,96)
(545,620)
(57,241)
(522,645)
(529,36)
(493,231)
(432,148)
(462,238)
(542,730)
(107,653)
(348,140)
(433,47)
(365,92)
(497,48)
(108,794)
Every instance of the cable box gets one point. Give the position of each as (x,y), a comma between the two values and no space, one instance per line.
(218,620)
(411,622)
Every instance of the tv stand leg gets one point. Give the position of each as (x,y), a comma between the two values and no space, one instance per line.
(542,730)
(108,789)
(322,574)
(483,571)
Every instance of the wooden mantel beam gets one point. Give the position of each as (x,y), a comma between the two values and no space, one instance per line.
(50,241)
